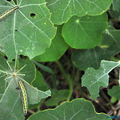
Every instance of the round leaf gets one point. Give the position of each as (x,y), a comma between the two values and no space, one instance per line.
(84,32)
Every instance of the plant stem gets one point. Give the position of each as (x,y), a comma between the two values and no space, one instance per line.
(68,80)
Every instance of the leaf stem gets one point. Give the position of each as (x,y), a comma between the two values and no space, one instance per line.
(68,80)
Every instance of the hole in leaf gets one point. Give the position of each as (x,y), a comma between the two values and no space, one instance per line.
(13,60)
(23,57)
(6,57)
(32,15)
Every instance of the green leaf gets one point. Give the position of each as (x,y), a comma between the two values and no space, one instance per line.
(35,95)
(28,70)
(21,33)
(2,85)
(107,39)
(115,92)
(84,32)
(57,97)
(114,14)
(11,100)
(113,100)
(116,5)
(115,35)
(39,83)
(94,79)
(78,109)
(2,75)
(63,10)
(11,103)
(83,59)
(56,49)
(45,68)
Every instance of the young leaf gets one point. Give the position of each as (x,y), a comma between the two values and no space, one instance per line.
(27,31)
(94,79)
(78,109)
(113,100)
(115,92)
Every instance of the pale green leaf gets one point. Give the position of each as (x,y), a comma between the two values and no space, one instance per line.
(11,99)
(94,79)
(22,33)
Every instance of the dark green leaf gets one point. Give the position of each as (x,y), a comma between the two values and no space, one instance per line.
(83,59)
(45,68)
(114,14)
(116,5)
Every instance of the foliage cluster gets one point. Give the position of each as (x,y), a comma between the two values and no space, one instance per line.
(43,31)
